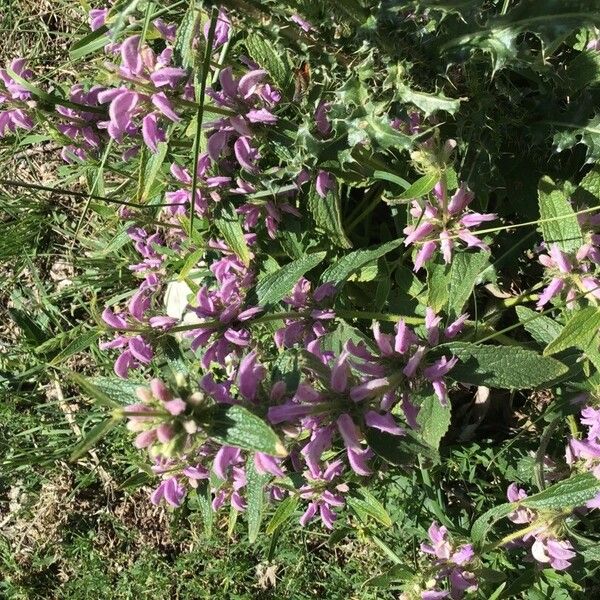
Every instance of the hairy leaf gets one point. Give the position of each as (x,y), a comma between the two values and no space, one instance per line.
(277,285)
(502,367)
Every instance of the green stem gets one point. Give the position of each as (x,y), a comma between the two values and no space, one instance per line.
(200,113)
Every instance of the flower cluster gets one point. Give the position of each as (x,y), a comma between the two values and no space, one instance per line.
(451,564)
(586,452)
(442,222)
(542,539)
(15,100)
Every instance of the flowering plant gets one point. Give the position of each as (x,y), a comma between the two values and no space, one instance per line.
(327,294)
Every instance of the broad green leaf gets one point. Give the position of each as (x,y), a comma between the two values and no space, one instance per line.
(276,286)
(540,327)
(94,435)
(237,426)
(183,48)
(483,525)
(230,228)
(551,21)
(284,511)
(572,492)
(327,216)
(121,391)
(554,204)
(438,275)
(255,492)
(465,270)
(584,71)
(506,367)
(400,450)
(418,189)
(365,505)
(340,271)
(263,52)
(580,332)
(434,420)
(428,103)
(589,186)
(93,390)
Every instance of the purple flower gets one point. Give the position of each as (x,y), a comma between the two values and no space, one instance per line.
(450,563)
(97,18)
(321,120)
(325,183)
(222,29)
(557,553)
(302,23)
(246,155)
(325,494)
(316,315)
(441,222)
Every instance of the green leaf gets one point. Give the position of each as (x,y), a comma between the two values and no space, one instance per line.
(398,450)
(465,270)
(79,344)
(202,502)
(576,132)
(541,328)
(506,367)
(584,71)
(95,434)
(255,497)
(554,204)
(231,229)
(438,276)
(350,263)
(263,52)
(428,103)
(93,390)
(434,420)
(183,48)
(365,505)
(152,169)
(90,43)
(572,492)
(372,128)
(120,391)
(588,190)
(285,510)
(276,286)
(483,525)
(327,216)
(385,176)
(137,480)
(418,189)
(580,332)
(551,21)
(237,426)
